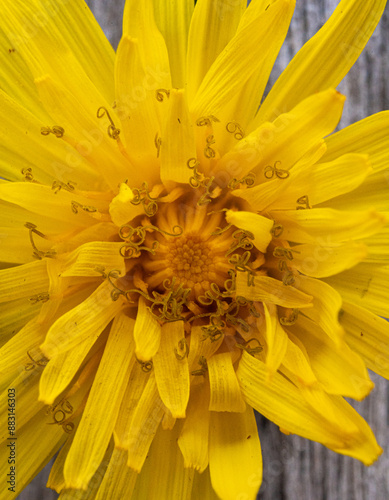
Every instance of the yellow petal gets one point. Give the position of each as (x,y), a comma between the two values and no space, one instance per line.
(62,368)
(171,369)
(56,480)
(257,224)
(178,143)
(86,321)
(139,22)
(163,476)
(367,335)
(119,480)
(338,369)
(335,423)
(235,457)
(326,58)
(202,486)
(225,390)
(84,130)
(13,354)
(338,226)
(87,259)
(267,289)
(147,333)
(276,340)
(213,24)
(137,106)
(101,410)
(193,440)
(121,209)
(288,138)
(297,361)
(326,306)
(173,22)
(14,315)
(144,424)
(365,285)
(24,281)
(45,160)
(321,260)
(237,62)
(67,27)
(36,444)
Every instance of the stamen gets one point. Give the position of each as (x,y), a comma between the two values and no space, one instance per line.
(116,292)
(248,180)
(157,142)
(291,319)
(40,362)
(250,350)
(236,129)
(304,201)
(75,206)
(143,196)
(58,185)
(27,172)
(160,94)
(113,132)
(59,411)
(204,367)
(38,254)
(277,230)
(208,151)
(206,121)
(56,130)
(40,297)
(270,171)
(146,366)
(182,351)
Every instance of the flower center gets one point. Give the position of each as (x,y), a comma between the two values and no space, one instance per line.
(190,259)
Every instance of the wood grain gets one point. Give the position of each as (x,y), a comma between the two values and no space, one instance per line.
(295,468)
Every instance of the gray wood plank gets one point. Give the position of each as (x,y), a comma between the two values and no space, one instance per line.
(295,468)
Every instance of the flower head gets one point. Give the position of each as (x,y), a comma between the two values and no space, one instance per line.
(174,256)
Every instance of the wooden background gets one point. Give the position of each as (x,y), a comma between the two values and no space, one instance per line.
(294,468)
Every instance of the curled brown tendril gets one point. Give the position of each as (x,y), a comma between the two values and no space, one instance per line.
(208,151)
(101,270)
(40,297)
(116,292)
(135,237)
(142,196)
(76,206)
(182,351)
(58,185)
(35,362)
(60,412)
(204,367)
(56,130)
(236,129)
(288,278)
(304,202)
(206,121)
(283,252)
(197,179)
(291,319)
(277,230)
(157,142)
(248,180)
(27,173)
(161,93)
(250,350)
(207,196)
(112,131)
(240,263)
(270,171)
(38,254)
(169,307)
(146,366)
(242,240)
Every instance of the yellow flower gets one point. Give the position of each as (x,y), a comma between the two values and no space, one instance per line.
(174,257)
